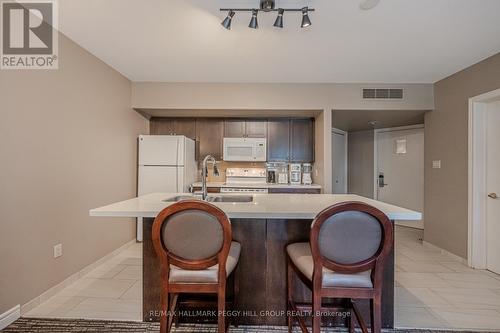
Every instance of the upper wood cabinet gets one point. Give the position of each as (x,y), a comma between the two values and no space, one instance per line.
(161,126)
(278,140)
(209,134)
(236,128)
(186,127)
(256,128)
(173,126)
(301,140)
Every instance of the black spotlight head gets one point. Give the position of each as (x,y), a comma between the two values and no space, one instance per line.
(253,22)
(279,20)
(227,21)
(305,18)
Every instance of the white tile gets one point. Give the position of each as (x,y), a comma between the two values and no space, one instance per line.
(424,267)
(411,317)
(469,298)
(134,292)
(474,280)
(108,288)
(469,318)
(420,280)
(130,273)
(417,297)
(109,305)
(105,271)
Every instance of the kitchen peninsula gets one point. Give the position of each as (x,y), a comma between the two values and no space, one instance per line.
(264,224)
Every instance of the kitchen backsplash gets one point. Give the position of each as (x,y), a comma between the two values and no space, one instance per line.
(222,166)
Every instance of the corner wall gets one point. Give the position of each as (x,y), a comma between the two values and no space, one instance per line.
(446,139)
(360,152)
(68,145)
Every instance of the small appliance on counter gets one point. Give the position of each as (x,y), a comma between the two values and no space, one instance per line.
(295,173)
(272,173)
(307,174)
(282,171)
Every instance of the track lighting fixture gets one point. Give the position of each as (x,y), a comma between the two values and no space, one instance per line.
(305,18)
(267,6)
(227,21)
(279,20)
(253,21)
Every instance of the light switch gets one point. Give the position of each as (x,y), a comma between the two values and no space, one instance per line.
(436,164)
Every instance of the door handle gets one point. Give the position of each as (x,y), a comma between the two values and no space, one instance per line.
(493,196)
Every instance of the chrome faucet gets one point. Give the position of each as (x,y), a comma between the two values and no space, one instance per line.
(204,174)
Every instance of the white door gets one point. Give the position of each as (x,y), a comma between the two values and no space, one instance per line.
(153,179)
(160,150)
(400,165)
(493,187)
(339,163)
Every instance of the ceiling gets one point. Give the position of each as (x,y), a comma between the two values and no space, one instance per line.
(359,120)
(399,41)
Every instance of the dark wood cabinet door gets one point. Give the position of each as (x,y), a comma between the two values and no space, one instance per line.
(209,134)
(278,140)
(234,128)
(161,126)
(186,127)
(301,140)
(256,129)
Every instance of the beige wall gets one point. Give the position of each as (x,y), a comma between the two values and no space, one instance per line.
(68,144)
(360,152)
(446,140)
(243,98)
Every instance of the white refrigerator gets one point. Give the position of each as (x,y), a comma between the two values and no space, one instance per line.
(166,164)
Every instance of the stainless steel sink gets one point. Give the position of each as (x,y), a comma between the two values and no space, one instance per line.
(182,197)
(230,198)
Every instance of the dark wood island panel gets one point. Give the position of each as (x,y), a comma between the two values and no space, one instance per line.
(261,272)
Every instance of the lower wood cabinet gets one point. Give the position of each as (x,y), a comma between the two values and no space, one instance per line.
(209,189)
(295,190)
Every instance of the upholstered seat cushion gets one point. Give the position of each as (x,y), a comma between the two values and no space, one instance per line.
(300,254)
(209,275)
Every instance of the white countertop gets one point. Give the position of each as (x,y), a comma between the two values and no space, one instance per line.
(222,184)
(270,206)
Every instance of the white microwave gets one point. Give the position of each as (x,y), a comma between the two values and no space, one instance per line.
(245,149)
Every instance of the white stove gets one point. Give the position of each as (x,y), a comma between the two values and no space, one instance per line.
(245,180)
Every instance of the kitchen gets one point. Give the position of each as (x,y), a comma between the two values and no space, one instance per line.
(268,195)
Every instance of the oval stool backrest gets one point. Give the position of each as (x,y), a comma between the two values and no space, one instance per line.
(192,234)
(350,237)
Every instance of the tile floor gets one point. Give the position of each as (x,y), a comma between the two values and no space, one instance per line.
(432,290)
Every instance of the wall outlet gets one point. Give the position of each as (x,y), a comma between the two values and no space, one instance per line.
(436,164)
(57,250)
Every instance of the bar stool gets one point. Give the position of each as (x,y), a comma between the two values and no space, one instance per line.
(193,241)
(349,243)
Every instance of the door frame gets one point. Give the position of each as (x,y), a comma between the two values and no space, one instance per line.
(346,162)
(476,200)
(375,150)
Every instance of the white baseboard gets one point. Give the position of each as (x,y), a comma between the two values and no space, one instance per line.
(30,305)
(10,316)
(446,253)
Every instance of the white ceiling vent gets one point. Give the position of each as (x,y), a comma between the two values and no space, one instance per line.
(377,93)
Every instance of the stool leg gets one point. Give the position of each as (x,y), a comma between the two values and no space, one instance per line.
(376,314)
(316,308)
(221,306)
(164,327)
(352,323)
(289,293)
